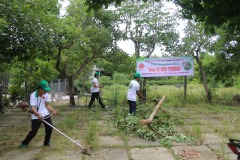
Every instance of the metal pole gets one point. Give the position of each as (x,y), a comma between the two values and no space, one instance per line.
(65,85)
(59,91)
(52,90)
(65,135)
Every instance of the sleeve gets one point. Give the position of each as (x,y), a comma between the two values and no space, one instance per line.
(32,100)
(47,97)
(137,87)
(94,81)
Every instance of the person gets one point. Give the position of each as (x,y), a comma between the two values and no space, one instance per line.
(40,107)
(133,91)
(95,90)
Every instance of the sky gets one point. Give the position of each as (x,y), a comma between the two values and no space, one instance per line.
(128,46)
(64,3)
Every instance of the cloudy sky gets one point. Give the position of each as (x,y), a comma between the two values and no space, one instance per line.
(128,46)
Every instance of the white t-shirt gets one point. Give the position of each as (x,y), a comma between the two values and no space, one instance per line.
(133,87)
(95,89)
(39,103)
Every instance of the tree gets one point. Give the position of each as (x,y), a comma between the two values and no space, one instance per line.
(96,4)
(194,43)
(148,26)
(120,62)
(83,37)
(25,76)
(26,28)
(215,12)
(226,50)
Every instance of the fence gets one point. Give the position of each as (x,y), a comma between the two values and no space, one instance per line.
(59,88)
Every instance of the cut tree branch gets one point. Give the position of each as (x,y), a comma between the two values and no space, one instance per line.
(149,120)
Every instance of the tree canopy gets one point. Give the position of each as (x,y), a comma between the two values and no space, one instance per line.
(147,25)
(215,12)
(26,28)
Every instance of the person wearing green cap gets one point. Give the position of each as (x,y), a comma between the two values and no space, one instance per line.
(95,91)
(40,106)
(133,91)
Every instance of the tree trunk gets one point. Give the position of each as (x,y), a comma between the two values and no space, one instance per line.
(72,77)
(137,49)
(144,91)
(71,91)
(1,103)
(209,97)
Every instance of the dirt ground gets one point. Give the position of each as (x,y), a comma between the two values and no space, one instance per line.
(15,125)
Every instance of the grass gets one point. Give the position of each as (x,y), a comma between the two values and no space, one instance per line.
(198,118)
(91,136)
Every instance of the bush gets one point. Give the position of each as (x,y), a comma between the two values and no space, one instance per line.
(16,92)
(160,83)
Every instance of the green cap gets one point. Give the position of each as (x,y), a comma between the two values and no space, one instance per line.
(137,75)
(96,74)
(44,85)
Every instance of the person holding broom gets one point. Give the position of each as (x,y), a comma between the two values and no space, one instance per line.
(41,108)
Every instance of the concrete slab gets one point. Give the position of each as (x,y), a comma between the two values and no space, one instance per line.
(235,135)
(139,142)
(110,141)
(108,154)
(20,154)
(2,128)
(5,124)
(204,151)
(221,148)
(66,155)
(211,136)
(155,153)
(214,139)
(230,156)
(224,150)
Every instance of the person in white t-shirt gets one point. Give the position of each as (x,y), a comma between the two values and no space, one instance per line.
(133,91)
(95,89)
(40,106)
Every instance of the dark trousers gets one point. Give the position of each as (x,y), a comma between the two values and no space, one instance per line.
(96,95)
(132,107)
(35,126)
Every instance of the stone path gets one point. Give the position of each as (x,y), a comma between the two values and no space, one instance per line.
(111,147)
